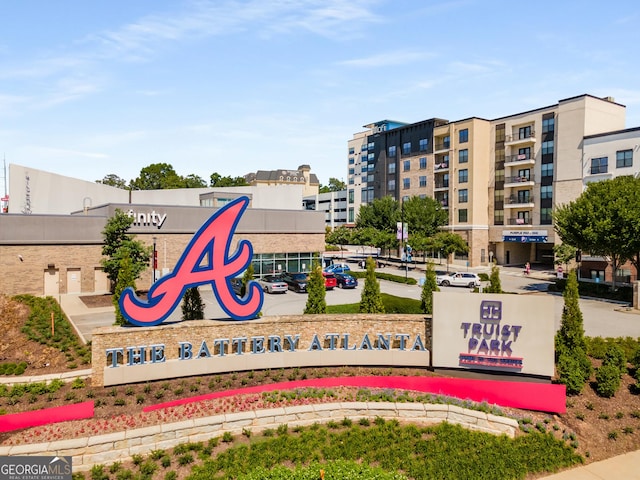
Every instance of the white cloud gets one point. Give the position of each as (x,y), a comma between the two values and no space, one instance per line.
(387,59)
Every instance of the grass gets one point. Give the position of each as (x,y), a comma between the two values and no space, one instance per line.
(392,304)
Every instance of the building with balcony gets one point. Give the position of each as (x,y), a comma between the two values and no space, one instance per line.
(500,179)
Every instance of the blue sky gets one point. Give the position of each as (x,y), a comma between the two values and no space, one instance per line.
(93,88)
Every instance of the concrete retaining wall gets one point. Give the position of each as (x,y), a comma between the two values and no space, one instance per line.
(120,446)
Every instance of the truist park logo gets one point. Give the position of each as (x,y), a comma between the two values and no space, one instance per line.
(35,468)
(208,259)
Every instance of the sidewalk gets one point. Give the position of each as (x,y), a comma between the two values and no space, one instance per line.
(616,468)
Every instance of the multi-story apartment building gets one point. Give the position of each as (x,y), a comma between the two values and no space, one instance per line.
(333,204)
(499,179)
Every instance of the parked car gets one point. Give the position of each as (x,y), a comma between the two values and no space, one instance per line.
(338,268)
(330,281)
(460,279)
(345,280)
(273,284)
(236,284)
(296,281)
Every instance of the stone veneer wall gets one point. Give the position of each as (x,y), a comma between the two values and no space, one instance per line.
(196,331)
(120,446)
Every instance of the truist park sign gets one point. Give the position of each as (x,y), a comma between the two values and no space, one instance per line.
(208,259)
(501,333)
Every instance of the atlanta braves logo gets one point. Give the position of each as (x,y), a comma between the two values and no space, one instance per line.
(205,260)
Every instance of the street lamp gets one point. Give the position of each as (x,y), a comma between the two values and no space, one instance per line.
(154,262)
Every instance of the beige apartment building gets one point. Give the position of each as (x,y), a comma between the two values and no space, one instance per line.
(498,179)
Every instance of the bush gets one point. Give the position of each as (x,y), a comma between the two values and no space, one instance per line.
(571,373)
(615,356)
(607,380)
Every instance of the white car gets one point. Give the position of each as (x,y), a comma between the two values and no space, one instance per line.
(460,279)
(273,284)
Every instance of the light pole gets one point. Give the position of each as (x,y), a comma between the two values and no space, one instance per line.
(154,262)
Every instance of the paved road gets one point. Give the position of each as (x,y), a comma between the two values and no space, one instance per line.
(601,318)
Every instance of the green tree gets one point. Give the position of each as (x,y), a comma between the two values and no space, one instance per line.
(125,280)
(430,285)
(247,276)
(217,180)
(113,180)
(192,305)
(381,214)
(573,364)
(316,302)
(370,299)
(339,236)
(193,181)
(335,185)
(157,176)
(495,286)
(118,243)
(564,253)
(424,215)
(449,243)
(603,220)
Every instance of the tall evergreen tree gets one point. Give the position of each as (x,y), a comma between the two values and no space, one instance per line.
(247,276)
(370,299)
(316,290)
(573,365)
(125,279)
(430,286)
(495,286)
(192,305)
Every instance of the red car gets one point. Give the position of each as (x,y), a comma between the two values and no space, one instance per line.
(330,281)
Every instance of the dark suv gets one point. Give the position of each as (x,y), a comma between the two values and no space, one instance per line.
(296,281)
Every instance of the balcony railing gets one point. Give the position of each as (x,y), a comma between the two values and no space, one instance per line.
(442,184)
(520,221)
(519,179)
(521,136)
(521,157)
(442,145)
(514,199)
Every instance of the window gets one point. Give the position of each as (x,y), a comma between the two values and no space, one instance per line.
(462,215)
(546,192)
(424,143)
(463,195)
(352,171)
(391,185)
(406,148)
(524,132)
(423,163)
(351,151)
(363,148)
(545,216)
(422,196)
(371,146)
(547,169)
(392,151)
(498,217)
(406,165)
(524,153)
(523,218)
(524,196)
(351,161)
(392,168)
(599,165)
(406,183)
(367,195)
(351,181)
(351,215)
(463,176)
(371,157)
(548,125)
(624,158)
(352,195)
(463,135)
(405,198)
(463,156)
(423,181)
(547,147)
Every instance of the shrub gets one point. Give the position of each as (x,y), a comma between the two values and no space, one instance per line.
(370,300)
(571,373)
(615,356)
(316,289)
(192,305)
(607,380)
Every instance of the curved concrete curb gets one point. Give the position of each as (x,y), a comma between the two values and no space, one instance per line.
(66,376)
(120,446)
